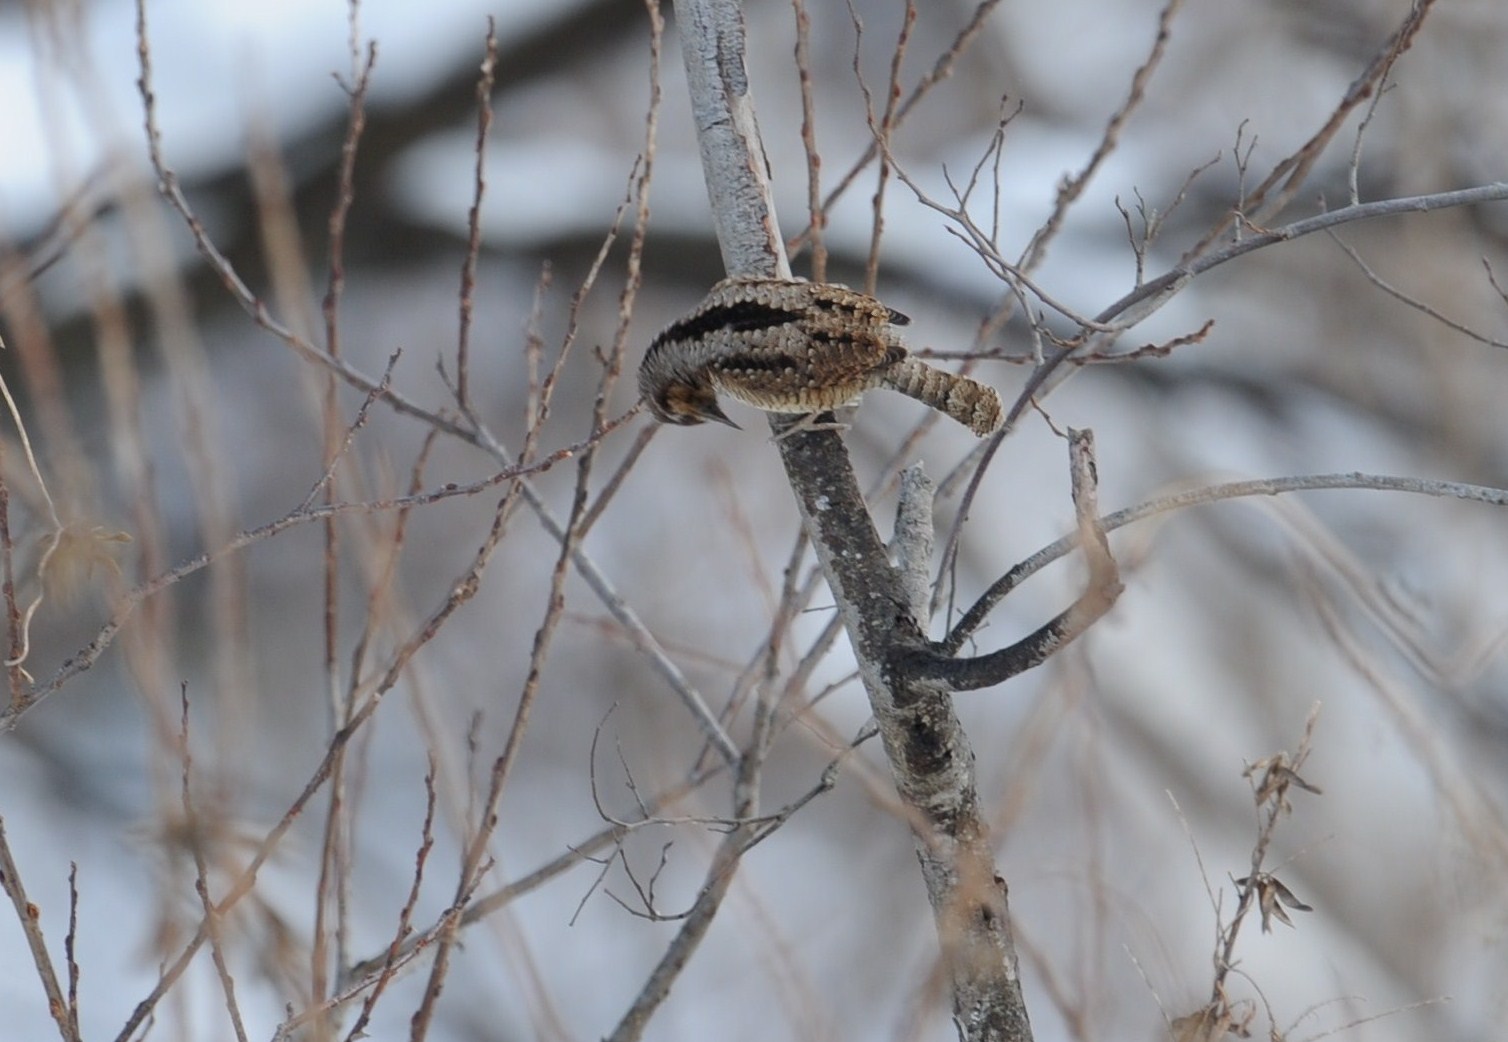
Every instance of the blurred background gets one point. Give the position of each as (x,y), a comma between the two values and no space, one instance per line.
(160,410)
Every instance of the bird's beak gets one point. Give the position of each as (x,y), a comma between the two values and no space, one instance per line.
(715,412)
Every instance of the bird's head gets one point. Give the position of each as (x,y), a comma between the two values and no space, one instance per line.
(686,402)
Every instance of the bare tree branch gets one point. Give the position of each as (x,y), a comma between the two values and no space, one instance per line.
(1100,595)
(29,916)
(929,754)
(972,619)
(1148,297)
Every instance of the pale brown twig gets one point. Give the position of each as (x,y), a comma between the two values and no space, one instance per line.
(29,916)
(1279,775)
(1072,188)
(405,914)
(334,864)
(85,657)
(941,69)
(192,826)
(462,591)
(816,216)
(70,947)
(1413,302)
(474,219)
(19,683)
(1288,176)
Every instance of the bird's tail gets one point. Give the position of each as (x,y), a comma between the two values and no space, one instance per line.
(966,400)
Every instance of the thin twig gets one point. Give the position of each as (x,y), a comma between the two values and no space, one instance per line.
(196,833)
(474,219)
(1414,302)
(816,216)
(644,641)
(19,681)
(941,69)
(1288,176)
(86,656)
(21,633)
(1072,188)
(1205,494)
(335,855)
(1150,296)
(461,592)
(29,916)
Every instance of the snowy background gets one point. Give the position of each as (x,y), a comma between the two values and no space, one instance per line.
(1110,775)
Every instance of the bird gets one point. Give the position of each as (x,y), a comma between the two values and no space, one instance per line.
(791,346)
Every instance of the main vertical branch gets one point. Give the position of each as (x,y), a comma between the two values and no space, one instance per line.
(930,757)
(733,159)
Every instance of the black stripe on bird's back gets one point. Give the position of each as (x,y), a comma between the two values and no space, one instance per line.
(743,316)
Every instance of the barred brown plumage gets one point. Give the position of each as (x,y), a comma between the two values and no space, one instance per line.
(791,346)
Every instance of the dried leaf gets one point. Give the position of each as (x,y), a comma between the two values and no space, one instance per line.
(1277,776)
(1211,1024)
(1294,779)
(1272,896)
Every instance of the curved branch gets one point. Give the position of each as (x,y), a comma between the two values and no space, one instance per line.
(979,611)
(938,665)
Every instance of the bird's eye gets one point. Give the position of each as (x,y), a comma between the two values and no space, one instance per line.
(679,404)
(669,408)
